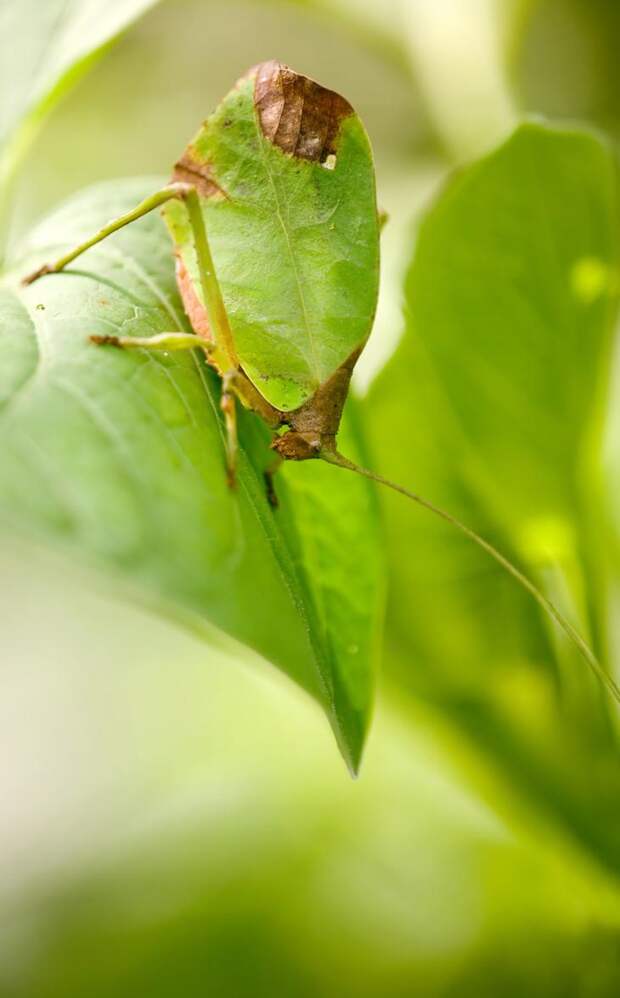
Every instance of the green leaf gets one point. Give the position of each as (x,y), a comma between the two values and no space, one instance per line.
(492,407)
(513,295)
(44,49)
(293,226)
(119,457)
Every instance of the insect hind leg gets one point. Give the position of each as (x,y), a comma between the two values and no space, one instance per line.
(228,405)
(160,341)
(268,476)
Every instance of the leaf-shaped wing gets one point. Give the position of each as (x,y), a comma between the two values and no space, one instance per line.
(287,178)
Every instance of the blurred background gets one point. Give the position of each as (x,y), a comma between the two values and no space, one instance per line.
(175,819)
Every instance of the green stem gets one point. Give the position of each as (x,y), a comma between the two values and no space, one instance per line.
(333,457)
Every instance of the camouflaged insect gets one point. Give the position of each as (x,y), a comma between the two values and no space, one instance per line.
(273,216)
(281,295)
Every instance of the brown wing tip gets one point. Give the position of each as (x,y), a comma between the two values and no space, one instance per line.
(297,114)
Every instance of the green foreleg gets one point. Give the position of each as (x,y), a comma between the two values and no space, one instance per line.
(149,204)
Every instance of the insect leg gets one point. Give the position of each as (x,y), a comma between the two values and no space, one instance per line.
(188,341)
(220,328)
(216,309)
(272,496)
(228,406)
(149,204)
(161,341)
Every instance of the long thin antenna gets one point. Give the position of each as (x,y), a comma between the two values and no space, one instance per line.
(333,457)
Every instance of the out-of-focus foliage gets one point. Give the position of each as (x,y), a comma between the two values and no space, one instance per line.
(188,825)
(44,49)
(566,64)
(175,821)
(492,407)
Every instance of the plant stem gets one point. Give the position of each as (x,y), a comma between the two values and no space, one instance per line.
(333,457)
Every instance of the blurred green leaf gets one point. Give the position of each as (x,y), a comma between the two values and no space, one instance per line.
(119,456)
(44,49)
(492,407)
(513,295)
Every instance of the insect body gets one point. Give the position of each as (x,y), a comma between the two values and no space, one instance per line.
(282,292)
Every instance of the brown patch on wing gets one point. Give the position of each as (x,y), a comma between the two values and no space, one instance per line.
(189,170)
(194,309)
(298,115)
(321,413)
(313,427)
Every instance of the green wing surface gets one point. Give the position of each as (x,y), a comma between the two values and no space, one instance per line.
(286,177)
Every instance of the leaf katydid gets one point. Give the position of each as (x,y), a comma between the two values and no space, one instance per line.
(272,211)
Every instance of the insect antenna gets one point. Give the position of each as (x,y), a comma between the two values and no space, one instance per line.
(333,457)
